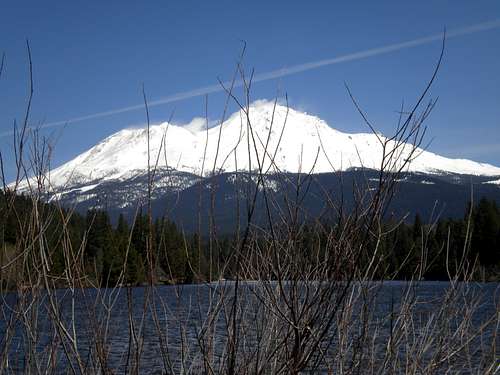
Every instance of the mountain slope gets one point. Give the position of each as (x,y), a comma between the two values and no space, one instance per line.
(113,175)
(298,142)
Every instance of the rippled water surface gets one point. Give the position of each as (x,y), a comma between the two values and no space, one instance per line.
(167,309)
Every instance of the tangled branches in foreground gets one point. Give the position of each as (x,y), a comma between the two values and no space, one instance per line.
(302,298)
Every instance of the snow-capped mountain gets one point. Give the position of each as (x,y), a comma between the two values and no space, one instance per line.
(113,174)
(296,142)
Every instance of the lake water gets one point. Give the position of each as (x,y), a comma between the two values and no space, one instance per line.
(180,311)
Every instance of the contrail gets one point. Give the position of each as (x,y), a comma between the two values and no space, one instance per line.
(484,26)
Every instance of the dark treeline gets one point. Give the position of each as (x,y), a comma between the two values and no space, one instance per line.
(429,251)
(107,250)
(435,251)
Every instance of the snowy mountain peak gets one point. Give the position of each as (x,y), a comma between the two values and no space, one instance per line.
(278,138)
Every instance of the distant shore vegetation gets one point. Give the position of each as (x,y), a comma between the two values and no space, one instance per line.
(108,250)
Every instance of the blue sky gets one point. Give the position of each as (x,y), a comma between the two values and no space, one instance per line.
(92,57)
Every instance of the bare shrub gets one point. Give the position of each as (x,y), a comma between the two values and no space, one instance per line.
(303,295)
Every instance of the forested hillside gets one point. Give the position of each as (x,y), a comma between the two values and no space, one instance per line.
(429,251)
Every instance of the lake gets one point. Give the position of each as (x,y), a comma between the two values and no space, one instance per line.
(126,322)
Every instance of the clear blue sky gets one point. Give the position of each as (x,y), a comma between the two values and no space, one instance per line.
(93,56)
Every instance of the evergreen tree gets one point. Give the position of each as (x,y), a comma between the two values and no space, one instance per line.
(99,247)
(485,235)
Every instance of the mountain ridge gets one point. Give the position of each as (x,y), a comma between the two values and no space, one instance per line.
(281,139)
(298,142)
(196,167)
